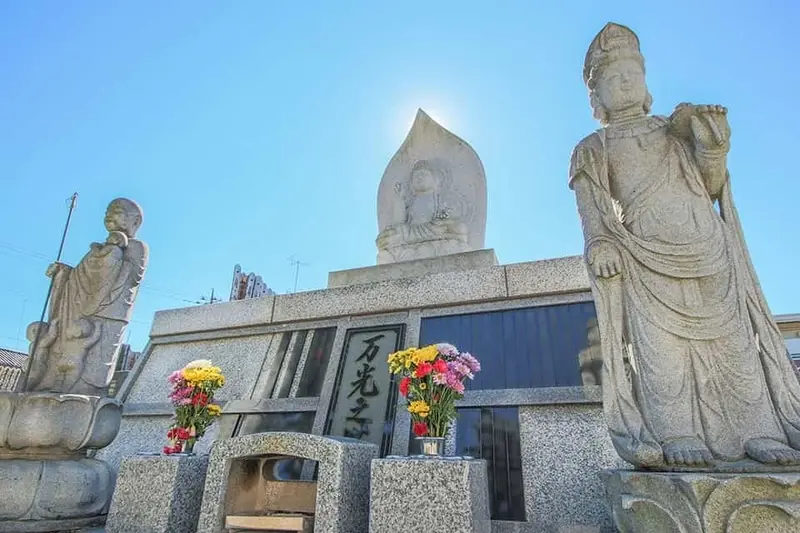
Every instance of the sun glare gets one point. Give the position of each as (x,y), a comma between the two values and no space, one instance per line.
(408,113)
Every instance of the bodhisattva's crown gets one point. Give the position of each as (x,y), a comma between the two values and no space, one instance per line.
(614,42)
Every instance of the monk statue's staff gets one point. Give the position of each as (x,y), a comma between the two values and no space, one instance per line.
(22,383)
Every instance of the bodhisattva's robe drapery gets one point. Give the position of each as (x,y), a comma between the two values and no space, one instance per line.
(687,286)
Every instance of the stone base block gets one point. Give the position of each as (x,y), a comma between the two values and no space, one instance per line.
(656,502)
(51,495)
(413,269)
(429,495)
(158,494)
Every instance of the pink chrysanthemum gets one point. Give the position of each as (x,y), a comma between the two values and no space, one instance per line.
(460,369)
(469,360)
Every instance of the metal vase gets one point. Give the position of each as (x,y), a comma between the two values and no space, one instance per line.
(431,446)
(188,446)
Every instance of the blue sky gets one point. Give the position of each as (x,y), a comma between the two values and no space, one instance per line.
(254,131)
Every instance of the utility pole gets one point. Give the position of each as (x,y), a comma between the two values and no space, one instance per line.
(209,301)
(22,383)
(296,264)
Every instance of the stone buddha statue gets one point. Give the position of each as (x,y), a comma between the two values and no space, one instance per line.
(76,349)
(432,197)
(428,230)
(710,382)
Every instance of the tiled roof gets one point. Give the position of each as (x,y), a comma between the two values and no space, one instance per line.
(12,358)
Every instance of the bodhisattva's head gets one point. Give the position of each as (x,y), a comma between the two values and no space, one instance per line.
(614,73)
(422,178)
(123,215)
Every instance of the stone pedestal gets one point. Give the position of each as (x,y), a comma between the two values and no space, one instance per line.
(413,269)
(52,494)
(158,494)
(656,502)
(429,495)
(47,482)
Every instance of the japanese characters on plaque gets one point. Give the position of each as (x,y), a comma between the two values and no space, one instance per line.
(365,394)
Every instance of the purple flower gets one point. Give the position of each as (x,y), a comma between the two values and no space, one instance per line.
(175,377)
(454,382)
(460,369)
(439,378)
(469,360)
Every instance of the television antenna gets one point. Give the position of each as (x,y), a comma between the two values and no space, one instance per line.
(296,264)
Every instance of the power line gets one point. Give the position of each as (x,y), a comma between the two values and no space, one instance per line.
(24,251)
(169,294)
(147,287)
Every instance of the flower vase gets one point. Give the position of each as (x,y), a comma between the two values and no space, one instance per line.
(431,446)
(188,446)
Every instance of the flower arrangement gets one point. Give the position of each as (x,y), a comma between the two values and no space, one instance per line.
(433,379)
(192,394)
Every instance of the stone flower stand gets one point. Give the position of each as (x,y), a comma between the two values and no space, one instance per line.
(158,494)
(47,482)
(409,494)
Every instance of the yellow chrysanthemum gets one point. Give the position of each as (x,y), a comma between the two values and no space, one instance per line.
(198,376)
(214,409)
(425,355)
(420,408)
(401,360)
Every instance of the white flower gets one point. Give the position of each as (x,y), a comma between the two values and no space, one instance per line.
(448,350)
(199,363)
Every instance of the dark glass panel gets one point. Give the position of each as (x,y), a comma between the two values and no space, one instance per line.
(518,348)
(317,363)
(289,366)
(492,434)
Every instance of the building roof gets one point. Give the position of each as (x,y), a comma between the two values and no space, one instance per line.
(12,358)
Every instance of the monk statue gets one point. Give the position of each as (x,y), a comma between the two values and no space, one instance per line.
(710,382)
(428,229)
(76,350)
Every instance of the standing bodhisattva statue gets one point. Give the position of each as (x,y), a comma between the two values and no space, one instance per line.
(707,380)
